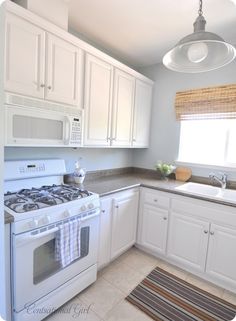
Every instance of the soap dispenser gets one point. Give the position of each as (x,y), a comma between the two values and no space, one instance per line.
(79,173)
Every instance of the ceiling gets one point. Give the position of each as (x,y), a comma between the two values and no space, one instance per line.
(139,32)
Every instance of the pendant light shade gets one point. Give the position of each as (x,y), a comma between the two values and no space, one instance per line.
(200,51)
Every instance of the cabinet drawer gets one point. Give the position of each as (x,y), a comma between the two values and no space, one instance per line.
(156,199)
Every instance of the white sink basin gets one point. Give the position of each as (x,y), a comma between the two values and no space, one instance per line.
(208,191)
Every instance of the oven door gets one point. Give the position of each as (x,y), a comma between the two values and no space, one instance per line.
(36,272)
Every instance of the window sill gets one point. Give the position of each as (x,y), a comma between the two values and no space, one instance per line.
(206,166)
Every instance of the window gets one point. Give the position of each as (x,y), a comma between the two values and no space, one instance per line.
(211,142)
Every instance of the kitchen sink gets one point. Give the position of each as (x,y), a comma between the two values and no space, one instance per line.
(208,191)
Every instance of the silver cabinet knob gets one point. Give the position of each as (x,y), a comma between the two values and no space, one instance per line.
(212,233)
(165,218)
(155,200)
(49,87)
(117,206)
(205,231)
(103,211)
(42,85)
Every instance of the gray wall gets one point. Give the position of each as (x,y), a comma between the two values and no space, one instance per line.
(164,140)
(92,159)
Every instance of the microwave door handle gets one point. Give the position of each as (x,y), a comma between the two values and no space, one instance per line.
(67,130)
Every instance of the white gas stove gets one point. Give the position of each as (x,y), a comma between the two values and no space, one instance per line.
(41,204)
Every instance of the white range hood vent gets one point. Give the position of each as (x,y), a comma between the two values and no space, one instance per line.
(55,11)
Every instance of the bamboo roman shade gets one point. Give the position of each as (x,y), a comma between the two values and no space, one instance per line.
(206,103)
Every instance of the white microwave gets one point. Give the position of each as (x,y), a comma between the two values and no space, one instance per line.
(34,126)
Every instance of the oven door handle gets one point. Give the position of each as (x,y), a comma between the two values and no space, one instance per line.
(21,239)
(88,217)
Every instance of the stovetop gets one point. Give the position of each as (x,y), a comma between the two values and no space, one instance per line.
(26,200)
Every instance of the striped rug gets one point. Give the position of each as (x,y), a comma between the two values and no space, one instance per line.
(165,297)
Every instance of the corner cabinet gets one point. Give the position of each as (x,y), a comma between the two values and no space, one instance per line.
(40,64)
(118,224)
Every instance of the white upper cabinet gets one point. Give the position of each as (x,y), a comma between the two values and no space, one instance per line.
(41,65)
(24,57)
(123,106)
(63,71)
(98,101)
(142,114)
(221,262)
(42,61)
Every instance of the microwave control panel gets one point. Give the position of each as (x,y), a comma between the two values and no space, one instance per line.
(75,131)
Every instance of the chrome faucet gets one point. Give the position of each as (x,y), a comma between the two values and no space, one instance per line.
(222,179)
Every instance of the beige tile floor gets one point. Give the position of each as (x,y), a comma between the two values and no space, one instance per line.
(105,299)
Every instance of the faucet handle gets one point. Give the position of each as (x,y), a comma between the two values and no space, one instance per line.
(211,175)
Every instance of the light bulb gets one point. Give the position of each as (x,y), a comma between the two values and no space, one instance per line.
(197,52)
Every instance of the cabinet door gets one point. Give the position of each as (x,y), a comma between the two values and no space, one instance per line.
(221,261)
(187,241)
(154,228)
(64,71)
(124,223)
(142,114)
(123,106)
(24,57)
(98,101)
(104,251)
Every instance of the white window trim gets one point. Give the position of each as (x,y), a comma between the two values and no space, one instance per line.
(206,166)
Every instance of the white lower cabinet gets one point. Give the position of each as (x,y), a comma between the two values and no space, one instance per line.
(104,251)
(118,224)
(188,239)
(199,236)
(221,261)
(124,222)
(153,221)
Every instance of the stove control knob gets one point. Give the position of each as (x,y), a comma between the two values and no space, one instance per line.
(47,219)
(90,206)
(34,223)
(83,208)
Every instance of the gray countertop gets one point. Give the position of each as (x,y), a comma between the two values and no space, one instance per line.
(116,183)
(108,185)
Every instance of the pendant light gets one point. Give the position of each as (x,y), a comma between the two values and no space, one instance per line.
(200,51)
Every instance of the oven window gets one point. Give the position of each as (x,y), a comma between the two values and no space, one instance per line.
(44,257)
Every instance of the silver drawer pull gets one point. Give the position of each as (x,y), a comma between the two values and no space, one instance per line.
(155,200)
